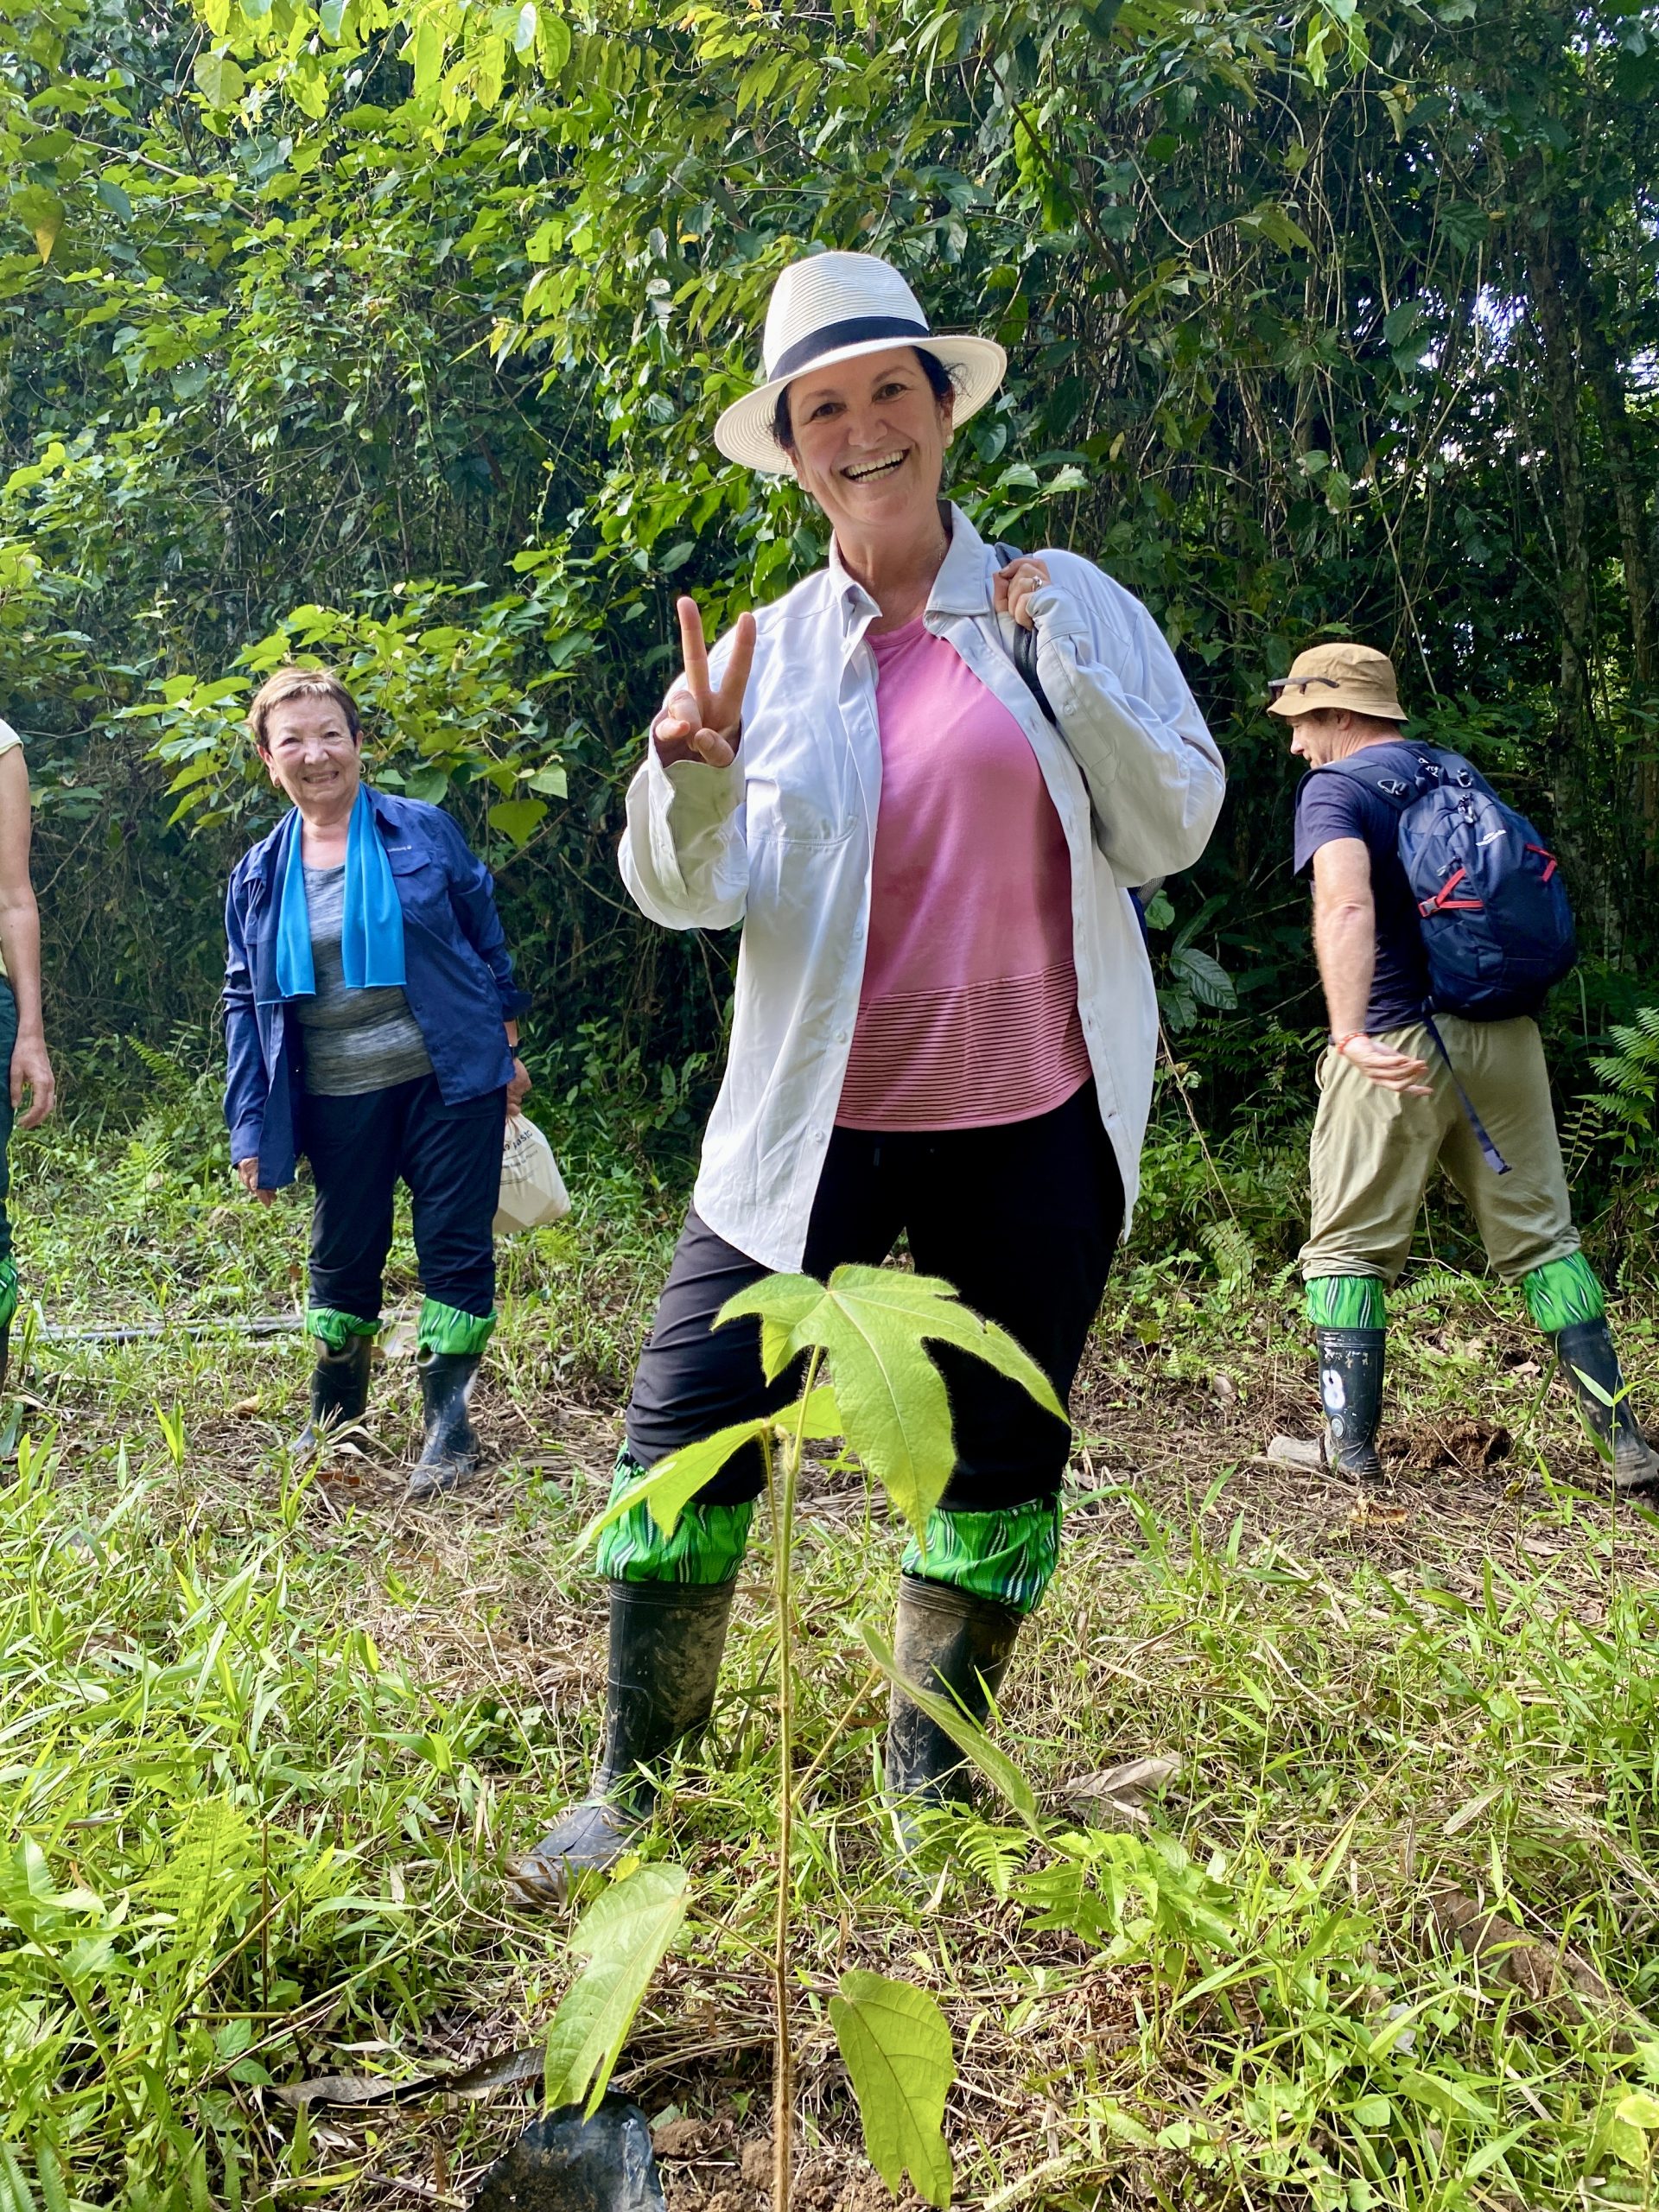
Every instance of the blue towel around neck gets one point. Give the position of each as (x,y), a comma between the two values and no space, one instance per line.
(372,937)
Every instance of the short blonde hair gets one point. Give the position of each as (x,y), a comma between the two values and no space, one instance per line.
(295,683)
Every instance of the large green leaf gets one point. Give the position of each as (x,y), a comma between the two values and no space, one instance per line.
(218,78)
(897,2046)
(623,1935)
(992,1761)
(783,1302)
(874,1323)
(516,817)
(671,1484)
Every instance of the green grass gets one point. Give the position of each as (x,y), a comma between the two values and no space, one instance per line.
(266,1738)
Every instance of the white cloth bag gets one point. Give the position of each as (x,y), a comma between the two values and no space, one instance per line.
(532,1189)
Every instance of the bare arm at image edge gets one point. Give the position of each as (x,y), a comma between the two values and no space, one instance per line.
(1344,941)
(20,942)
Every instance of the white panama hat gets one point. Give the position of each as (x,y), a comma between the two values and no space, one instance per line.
(830,308)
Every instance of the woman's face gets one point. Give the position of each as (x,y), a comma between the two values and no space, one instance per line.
(313,756)
(869,442)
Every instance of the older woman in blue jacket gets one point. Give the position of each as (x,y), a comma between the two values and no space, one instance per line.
(372,1024)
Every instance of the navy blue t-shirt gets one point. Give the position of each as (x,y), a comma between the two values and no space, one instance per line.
(1329,806)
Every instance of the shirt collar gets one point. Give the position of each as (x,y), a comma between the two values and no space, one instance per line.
(960,587)
(269,855)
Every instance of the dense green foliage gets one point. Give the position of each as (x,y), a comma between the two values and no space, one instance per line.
(393,333)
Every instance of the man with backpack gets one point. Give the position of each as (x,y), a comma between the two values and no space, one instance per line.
(1439,922)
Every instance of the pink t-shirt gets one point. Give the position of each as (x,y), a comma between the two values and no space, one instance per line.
(968,1011)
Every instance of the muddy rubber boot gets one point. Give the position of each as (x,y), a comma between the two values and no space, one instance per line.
(666,1643)
(340,1390)
(1351,1390)
(947,1640)
(450,1454)
(1587,1352)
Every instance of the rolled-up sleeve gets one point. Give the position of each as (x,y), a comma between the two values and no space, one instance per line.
(1155,773)
(683,855)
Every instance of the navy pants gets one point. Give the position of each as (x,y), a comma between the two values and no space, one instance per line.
(1021,1218)
(449,1157)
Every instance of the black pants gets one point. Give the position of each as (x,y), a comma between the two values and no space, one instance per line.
(1022,1220)
(450,1157)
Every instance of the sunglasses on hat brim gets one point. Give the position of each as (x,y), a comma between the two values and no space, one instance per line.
(1280,683)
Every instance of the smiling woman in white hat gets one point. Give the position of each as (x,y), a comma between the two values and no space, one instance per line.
(945,1022)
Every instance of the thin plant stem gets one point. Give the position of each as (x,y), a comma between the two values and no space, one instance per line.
(837,1732)
(781,1495)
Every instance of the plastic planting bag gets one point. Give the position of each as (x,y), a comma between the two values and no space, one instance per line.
(532,1189)
(565,2163)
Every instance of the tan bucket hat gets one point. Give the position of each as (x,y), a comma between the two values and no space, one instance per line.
(1356,677)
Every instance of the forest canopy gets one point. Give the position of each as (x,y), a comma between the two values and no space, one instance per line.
(393,334)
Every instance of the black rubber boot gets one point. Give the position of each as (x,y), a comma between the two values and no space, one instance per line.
(959,1645)
(666,1643)
(340,1390)
(1351,1390)
(1587,1352)
(5,1351)
(451,1452)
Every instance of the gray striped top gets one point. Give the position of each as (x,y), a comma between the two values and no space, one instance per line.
(355,1041)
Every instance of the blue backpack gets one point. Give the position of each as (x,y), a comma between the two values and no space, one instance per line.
(1497,928)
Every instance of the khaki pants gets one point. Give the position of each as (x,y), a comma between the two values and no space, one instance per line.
(1374,1150)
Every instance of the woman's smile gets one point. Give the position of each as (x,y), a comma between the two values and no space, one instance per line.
(870,472)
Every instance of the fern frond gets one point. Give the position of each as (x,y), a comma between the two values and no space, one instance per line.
(995,1854)
(1232,1248)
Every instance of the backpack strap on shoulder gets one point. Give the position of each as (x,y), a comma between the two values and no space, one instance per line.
(1383,781)
(1024,655)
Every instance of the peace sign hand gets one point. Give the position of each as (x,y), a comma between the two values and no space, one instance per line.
(699,723)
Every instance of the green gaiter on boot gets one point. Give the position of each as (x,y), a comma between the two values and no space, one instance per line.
(1008,1556)
(336,1329)
(1345,1302)
(446,1328)
(8,1293)
(706,1548)
(1562,1294)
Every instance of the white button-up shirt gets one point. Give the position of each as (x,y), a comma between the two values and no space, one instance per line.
(782,841)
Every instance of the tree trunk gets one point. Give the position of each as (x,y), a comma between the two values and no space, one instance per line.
(1574,733)
(1602,374)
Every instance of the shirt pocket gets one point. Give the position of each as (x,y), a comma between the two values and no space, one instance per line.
(422,884)
(791,811)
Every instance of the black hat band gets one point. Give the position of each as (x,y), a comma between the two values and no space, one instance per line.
(855,331)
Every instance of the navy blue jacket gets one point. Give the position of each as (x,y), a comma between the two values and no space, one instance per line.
(458,977)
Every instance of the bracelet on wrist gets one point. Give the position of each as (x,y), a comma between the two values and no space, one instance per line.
(1341,1044)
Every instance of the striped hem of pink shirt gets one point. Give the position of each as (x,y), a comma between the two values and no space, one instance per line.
(1005,1050)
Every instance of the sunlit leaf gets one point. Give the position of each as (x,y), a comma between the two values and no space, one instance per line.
(874,1324)
(40,211)
(897,2046)
(220,79)
(623,1935)
(669,1487)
